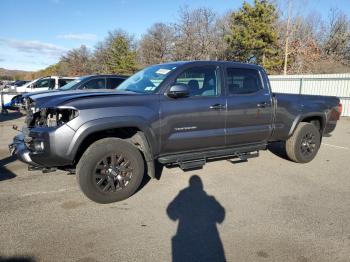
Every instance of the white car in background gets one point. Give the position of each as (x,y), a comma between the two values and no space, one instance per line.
(44,84)
(37,85)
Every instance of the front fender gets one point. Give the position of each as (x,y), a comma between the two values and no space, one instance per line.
(106,123)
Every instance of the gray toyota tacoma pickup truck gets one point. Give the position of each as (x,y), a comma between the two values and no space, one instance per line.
(180,113)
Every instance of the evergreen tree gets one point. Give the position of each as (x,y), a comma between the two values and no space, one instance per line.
(120,54)
(254,36)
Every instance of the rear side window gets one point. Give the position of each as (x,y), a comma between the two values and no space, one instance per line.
(242,81)
(114,82)
(97,83)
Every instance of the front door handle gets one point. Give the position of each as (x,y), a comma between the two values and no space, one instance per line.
(262,105)
(217,107)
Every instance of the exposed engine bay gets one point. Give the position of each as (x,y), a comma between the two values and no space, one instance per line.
(50,117)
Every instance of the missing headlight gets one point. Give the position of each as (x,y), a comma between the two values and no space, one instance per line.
(53,117)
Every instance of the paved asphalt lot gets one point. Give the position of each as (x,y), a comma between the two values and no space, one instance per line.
(266,209)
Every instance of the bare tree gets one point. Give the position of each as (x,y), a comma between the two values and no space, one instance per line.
(195,34)
(78,61)
(337,42)
(286,45)
(222,29)
(305,49)
(157,44)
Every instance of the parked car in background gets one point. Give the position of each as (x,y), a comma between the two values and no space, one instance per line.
(12,87)
(95,82)
(88,82)
(47,83)
(26,86)
(38,85)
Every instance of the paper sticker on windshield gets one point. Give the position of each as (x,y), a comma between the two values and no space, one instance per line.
(150,88)
(162,71)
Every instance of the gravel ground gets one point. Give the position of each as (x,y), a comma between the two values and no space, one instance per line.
(266,209)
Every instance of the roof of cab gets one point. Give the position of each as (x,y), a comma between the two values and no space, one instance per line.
(214,62)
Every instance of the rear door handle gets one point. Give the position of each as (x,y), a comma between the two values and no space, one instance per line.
(262,105)
(217,107)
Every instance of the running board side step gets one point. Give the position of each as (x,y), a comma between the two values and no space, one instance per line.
(245,156)
(190,165)
(188,161)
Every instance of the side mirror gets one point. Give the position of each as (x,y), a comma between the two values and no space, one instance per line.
(179,90)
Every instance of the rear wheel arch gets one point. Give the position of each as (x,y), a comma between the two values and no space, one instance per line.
(316,119)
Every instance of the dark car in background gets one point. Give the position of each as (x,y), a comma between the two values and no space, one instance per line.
(84,82)
(95,82)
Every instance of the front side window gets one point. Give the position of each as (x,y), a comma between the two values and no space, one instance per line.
(202,81)
(45,83)
(242,81)
(97,83)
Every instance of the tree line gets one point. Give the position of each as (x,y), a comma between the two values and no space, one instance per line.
(260,33)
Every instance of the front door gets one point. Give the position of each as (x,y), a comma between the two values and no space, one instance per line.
(196,122)
(43,85)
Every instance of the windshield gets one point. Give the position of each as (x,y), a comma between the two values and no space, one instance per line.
(147,80)
(71,84)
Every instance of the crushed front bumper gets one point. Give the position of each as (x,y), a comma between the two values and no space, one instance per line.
(18,147)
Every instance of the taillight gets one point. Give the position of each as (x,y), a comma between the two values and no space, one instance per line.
(340,108)
(339,111)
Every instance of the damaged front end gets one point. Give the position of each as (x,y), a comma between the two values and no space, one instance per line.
(20,147)
(50,117)
(37,143)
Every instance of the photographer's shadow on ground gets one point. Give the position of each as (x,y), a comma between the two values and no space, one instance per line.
(197,237)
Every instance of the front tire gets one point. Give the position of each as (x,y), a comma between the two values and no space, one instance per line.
(304,144)
(110,170)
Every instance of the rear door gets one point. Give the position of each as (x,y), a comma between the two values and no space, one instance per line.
(249,107)
(196,122)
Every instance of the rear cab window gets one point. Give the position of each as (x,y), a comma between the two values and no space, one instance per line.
(242,81)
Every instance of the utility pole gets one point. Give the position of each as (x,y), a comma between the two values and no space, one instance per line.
(287,39)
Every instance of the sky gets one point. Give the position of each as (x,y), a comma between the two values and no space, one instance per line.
(35,33)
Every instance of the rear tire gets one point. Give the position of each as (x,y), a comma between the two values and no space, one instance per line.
(110,170)
(304,144)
